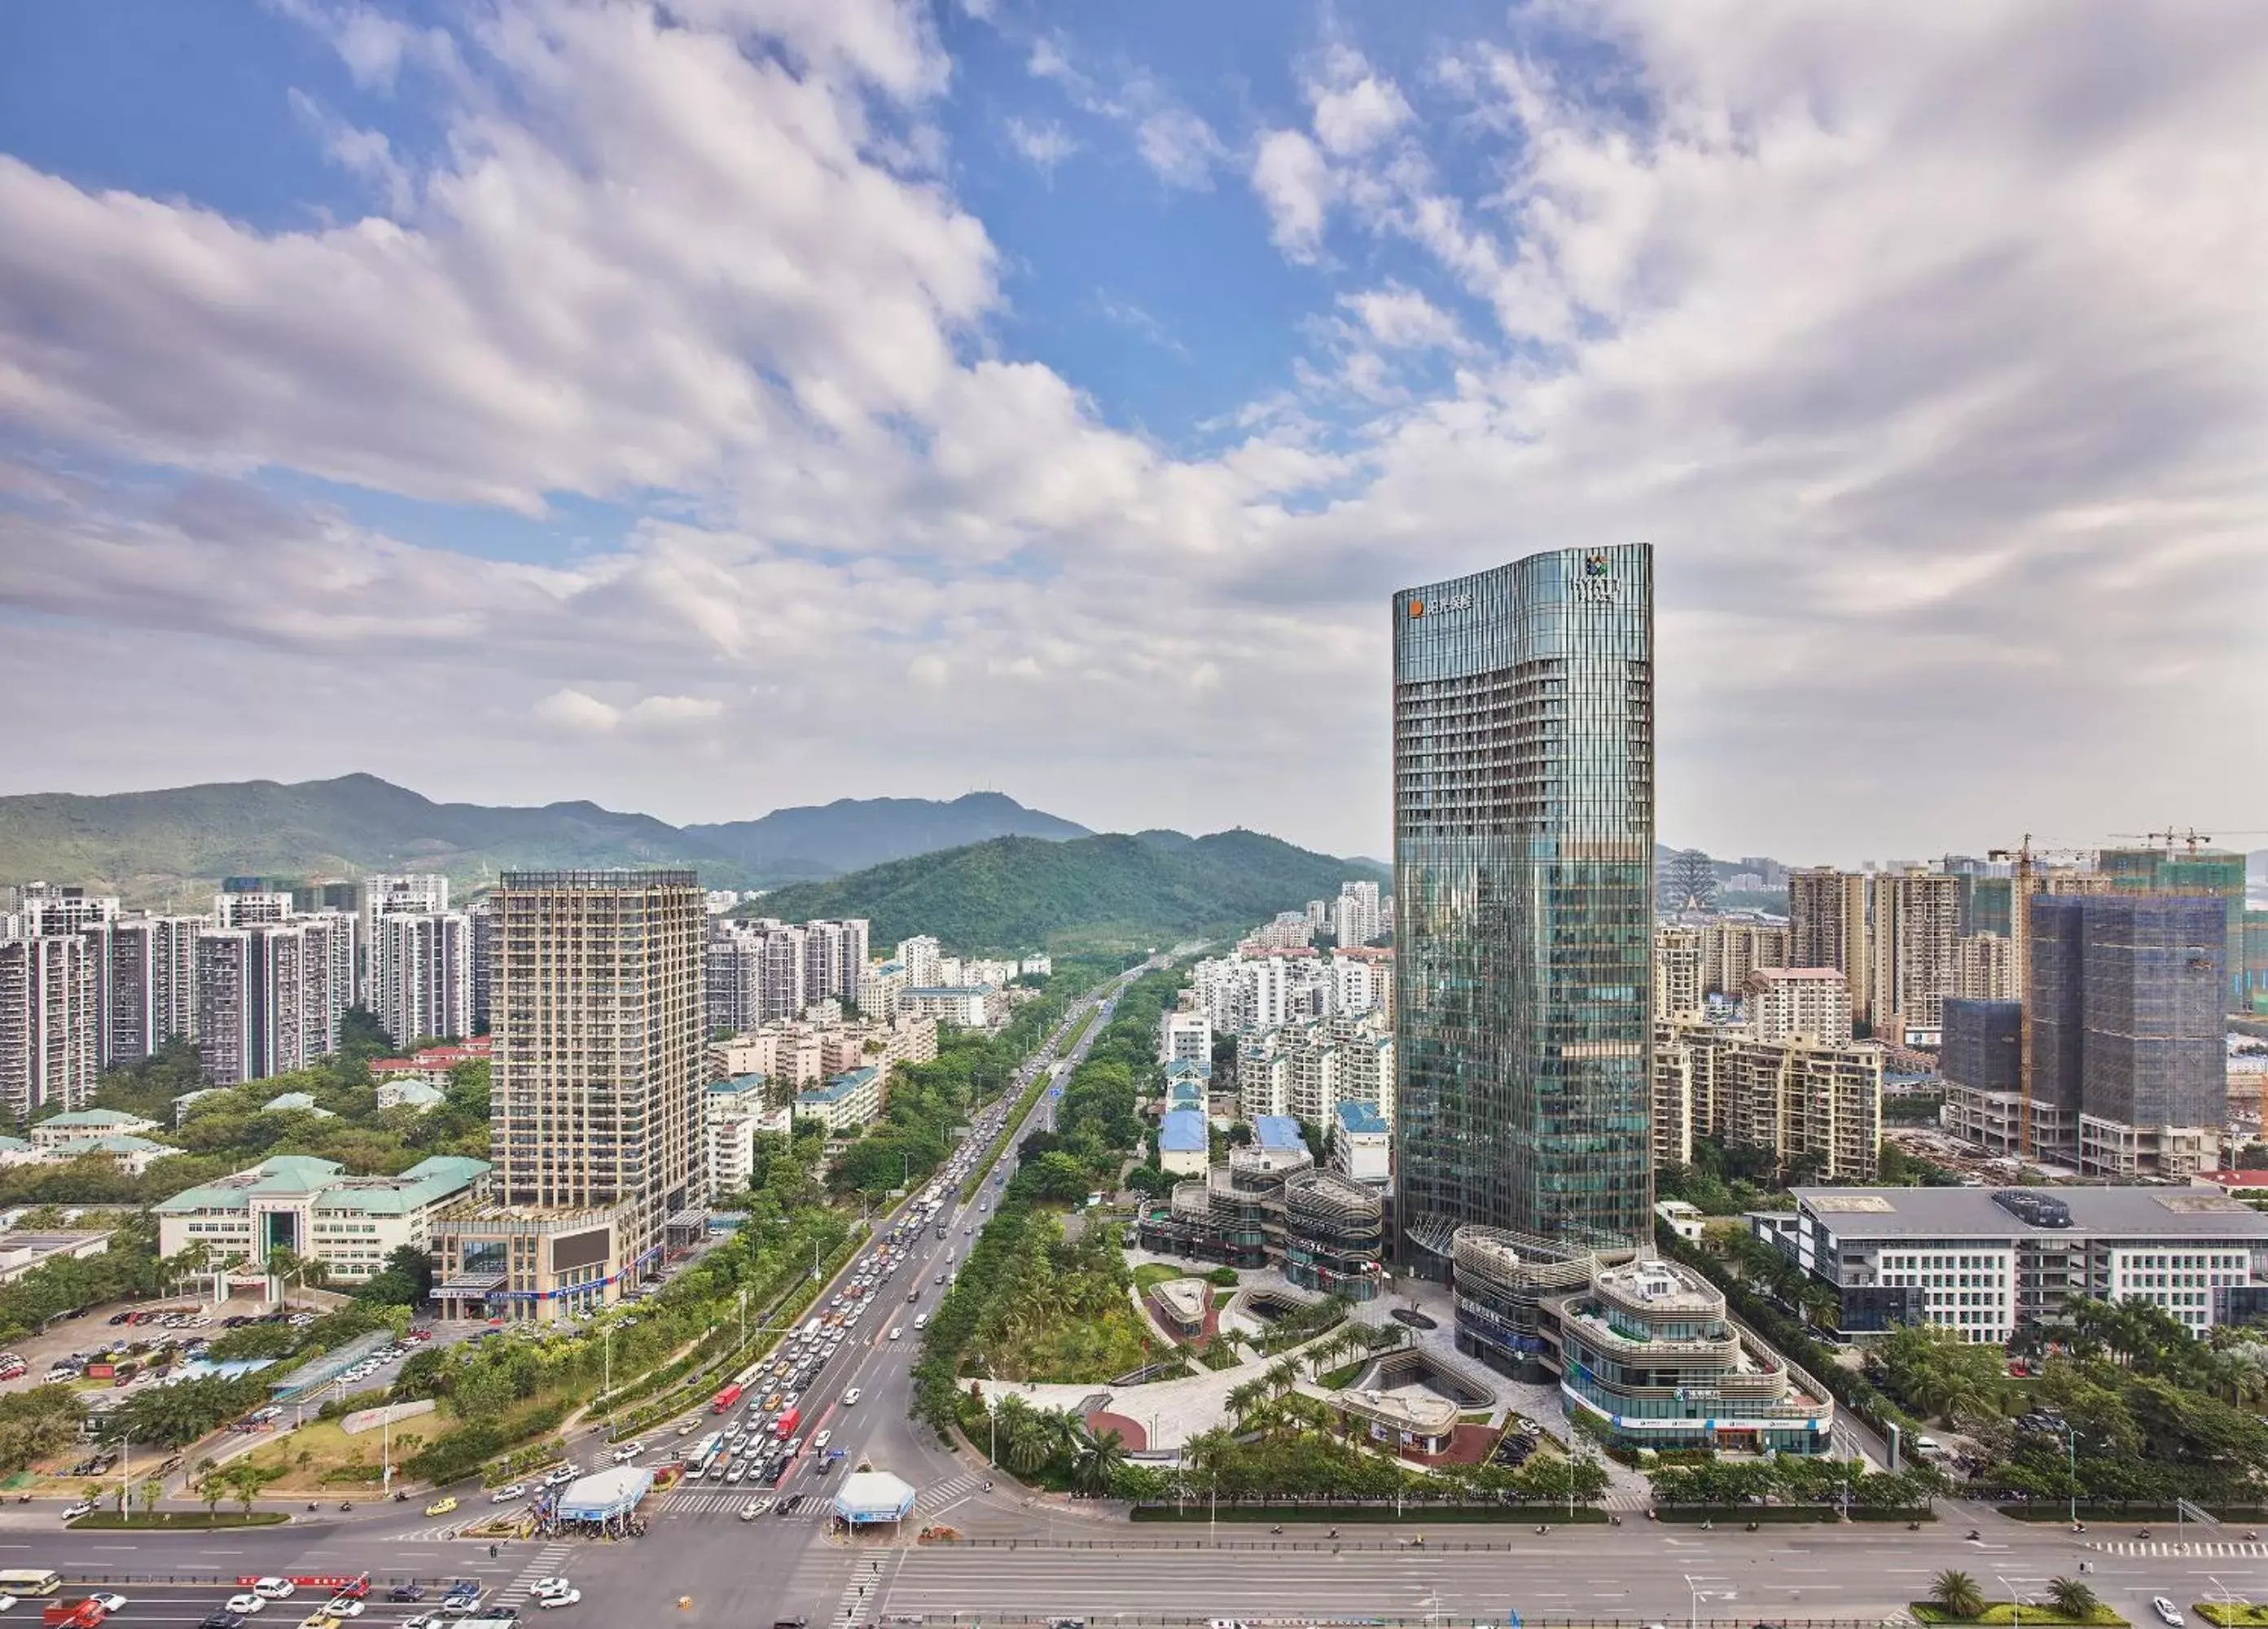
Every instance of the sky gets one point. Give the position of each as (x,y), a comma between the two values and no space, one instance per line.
(708,407)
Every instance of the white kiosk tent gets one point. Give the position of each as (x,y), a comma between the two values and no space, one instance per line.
(871,1498)
(603,1501)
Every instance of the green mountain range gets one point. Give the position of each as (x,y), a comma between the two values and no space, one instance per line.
(1153,889)
(152,846)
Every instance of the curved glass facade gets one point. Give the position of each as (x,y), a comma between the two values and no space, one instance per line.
(1523,861)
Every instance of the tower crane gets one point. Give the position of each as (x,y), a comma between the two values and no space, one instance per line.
(2024,858)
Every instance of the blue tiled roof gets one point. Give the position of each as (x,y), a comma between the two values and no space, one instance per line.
(1278,1130)
(1360,1117)
(1183,1131)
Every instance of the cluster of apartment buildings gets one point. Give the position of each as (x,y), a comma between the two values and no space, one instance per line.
(261,983)
(761,969)
(1361,914)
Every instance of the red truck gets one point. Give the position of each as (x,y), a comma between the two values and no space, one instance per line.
(787,1424)
(726,1398)
(73,1615)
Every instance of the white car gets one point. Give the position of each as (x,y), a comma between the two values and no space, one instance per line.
(509,1492)
(895,1333)
(565,1597)
(851,1397)
(627,1452)
(248,1606)
(2167,1611)
(84,1508)
(274,1589)
(548,1586)
(343,1606)
(108,1602)
(754,1509)
(820,1441)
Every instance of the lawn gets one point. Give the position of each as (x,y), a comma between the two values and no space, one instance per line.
(321,1458)
(2007,1613)
(177,1521)
(1151,1274)
(2233,1614)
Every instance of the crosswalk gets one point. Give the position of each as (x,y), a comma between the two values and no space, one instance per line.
(437,1533)
(550,1562)
(731,1502)
(938,1495)
(2235,1547)
(861,1593)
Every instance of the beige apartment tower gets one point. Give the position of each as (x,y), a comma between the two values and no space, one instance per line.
(597,1076)
(1916,916)
(1827,925)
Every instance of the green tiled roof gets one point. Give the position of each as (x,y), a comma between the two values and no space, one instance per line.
(335,1191)
(113,1144)
(92,1120)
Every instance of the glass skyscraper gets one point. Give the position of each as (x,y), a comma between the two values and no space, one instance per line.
(1523,889)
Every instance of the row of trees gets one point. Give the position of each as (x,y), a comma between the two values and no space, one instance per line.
(1793,1478)
(1958,1596)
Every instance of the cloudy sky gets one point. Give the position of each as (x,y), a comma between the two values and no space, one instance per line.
(707,407)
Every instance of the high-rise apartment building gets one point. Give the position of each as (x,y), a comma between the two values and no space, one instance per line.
(834,959)
(421,974)
(2215,873)
(1827,927)
(1815,1102)
(1983,967)
(1916,918)
(1677,961)
(1730,951)
(270,996)
(1356,914)
(921,956)
(1784,1002)
(414,893)
(252,906)
(596,1081)
(1523,806)
(50,1027)
(482,917)
(147,967)
(45,908)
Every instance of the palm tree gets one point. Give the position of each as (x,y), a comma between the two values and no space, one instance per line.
(1240,1399)
(1011,1417)
(1098,1462)
(1956,1595)
(212,1490)
(2073,1599)
(1062,1430)
(153,1490)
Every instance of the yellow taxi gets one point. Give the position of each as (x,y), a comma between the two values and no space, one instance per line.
(318,1619)
(442,1506)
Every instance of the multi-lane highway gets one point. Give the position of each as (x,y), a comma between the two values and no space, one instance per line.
(697,1548)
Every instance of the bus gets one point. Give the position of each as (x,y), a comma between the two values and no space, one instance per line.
(29,1580)
(726,1398)
(704,1454)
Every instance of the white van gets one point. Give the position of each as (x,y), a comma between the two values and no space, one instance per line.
(921,1321)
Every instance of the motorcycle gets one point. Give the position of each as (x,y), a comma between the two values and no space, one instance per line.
(312,1506)
(346,1504)
(1278,1530)
(1913,1526)
(1973,1534)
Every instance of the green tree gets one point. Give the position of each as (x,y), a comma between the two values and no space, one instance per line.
(2072,1598)
(153,1490)
(1956,1595)
(1096,1465)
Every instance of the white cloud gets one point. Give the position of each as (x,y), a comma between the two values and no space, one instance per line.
(1180,147)
(1043,143)
(1926,350)
(1294,183)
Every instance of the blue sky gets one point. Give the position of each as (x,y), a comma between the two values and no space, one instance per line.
(759,403)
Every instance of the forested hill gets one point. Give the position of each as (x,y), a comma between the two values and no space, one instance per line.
(1111,891)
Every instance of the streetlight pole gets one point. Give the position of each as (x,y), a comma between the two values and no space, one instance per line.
(2071,1449)
(2015,1602)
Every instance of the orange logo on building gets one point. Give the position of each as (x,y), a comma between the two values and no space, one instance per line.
(1416,608)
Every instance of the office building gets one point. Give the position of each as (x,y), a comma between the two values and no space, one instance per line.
(1985,1263)
(1678,955)
(1785,1002)
(50,1028)
(2202,872)
(1648,1355)
(1916,916)
(1271,1207)
(2126,1029)
(271,995)
(596,1080)
(314,1209)
(421,974)
(147,967)
(1524,886)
